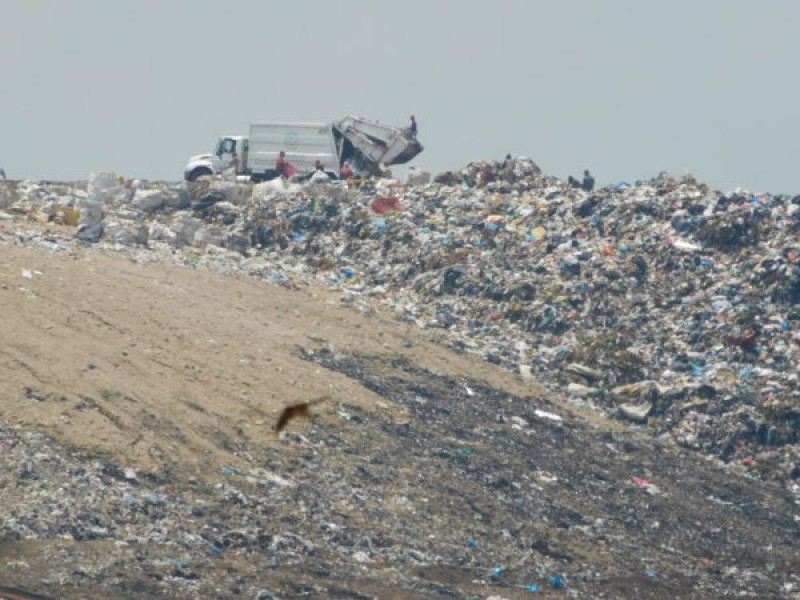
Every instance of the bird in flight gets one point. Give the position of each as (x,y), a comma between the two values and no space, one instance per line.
(297,411)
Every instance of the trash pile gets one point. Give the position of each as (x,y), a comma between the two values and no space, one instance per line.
(663,302)
(489,495)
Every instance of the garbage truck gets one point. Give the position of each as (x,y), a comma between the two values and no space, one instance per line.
(368,146)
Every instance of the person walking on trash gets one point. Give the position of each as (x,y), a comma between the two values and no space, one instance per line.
(283,167)
(280,163)
(588,181)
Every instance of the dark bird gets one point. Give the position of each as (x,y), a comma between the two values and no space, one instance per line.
(296,411)
(745,342)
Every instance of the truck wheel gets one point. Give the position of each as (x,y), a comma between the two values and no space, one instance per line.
(198,172)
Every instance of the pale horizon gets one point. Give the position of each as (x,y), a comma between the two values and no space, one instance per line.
(623,88)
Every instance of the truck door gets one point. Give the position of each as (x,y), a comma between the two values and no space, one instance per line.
(224,153)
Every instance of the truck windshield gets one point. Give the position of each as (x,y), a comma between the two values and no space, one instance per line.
(225,146)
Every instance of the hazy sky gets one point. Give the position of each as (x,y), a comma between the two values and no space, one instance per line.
(626,88)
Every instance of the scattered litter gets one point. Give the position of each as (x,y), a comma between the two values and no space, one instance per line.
(547,415)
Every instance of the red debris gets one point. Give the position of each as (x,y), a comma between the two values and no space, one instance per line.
(384,204)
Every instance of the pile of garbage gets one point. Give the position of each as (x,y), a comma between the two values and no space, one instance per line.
(663,302)
(480,490)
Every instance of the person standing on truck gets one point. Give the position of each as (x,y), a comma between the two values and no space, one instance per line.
(413,128)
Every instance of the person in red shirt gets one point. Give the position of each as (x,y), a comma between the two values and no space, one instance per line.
(280,163)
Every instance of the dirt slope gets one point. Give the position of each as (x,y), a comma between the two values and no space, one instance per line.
(424,471)
(167,368)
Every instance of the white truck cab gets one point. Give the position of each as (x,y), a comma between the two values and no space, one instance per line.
(220,160)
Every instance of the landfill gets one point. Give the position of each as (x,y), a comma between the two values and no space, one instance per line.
(663,304)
